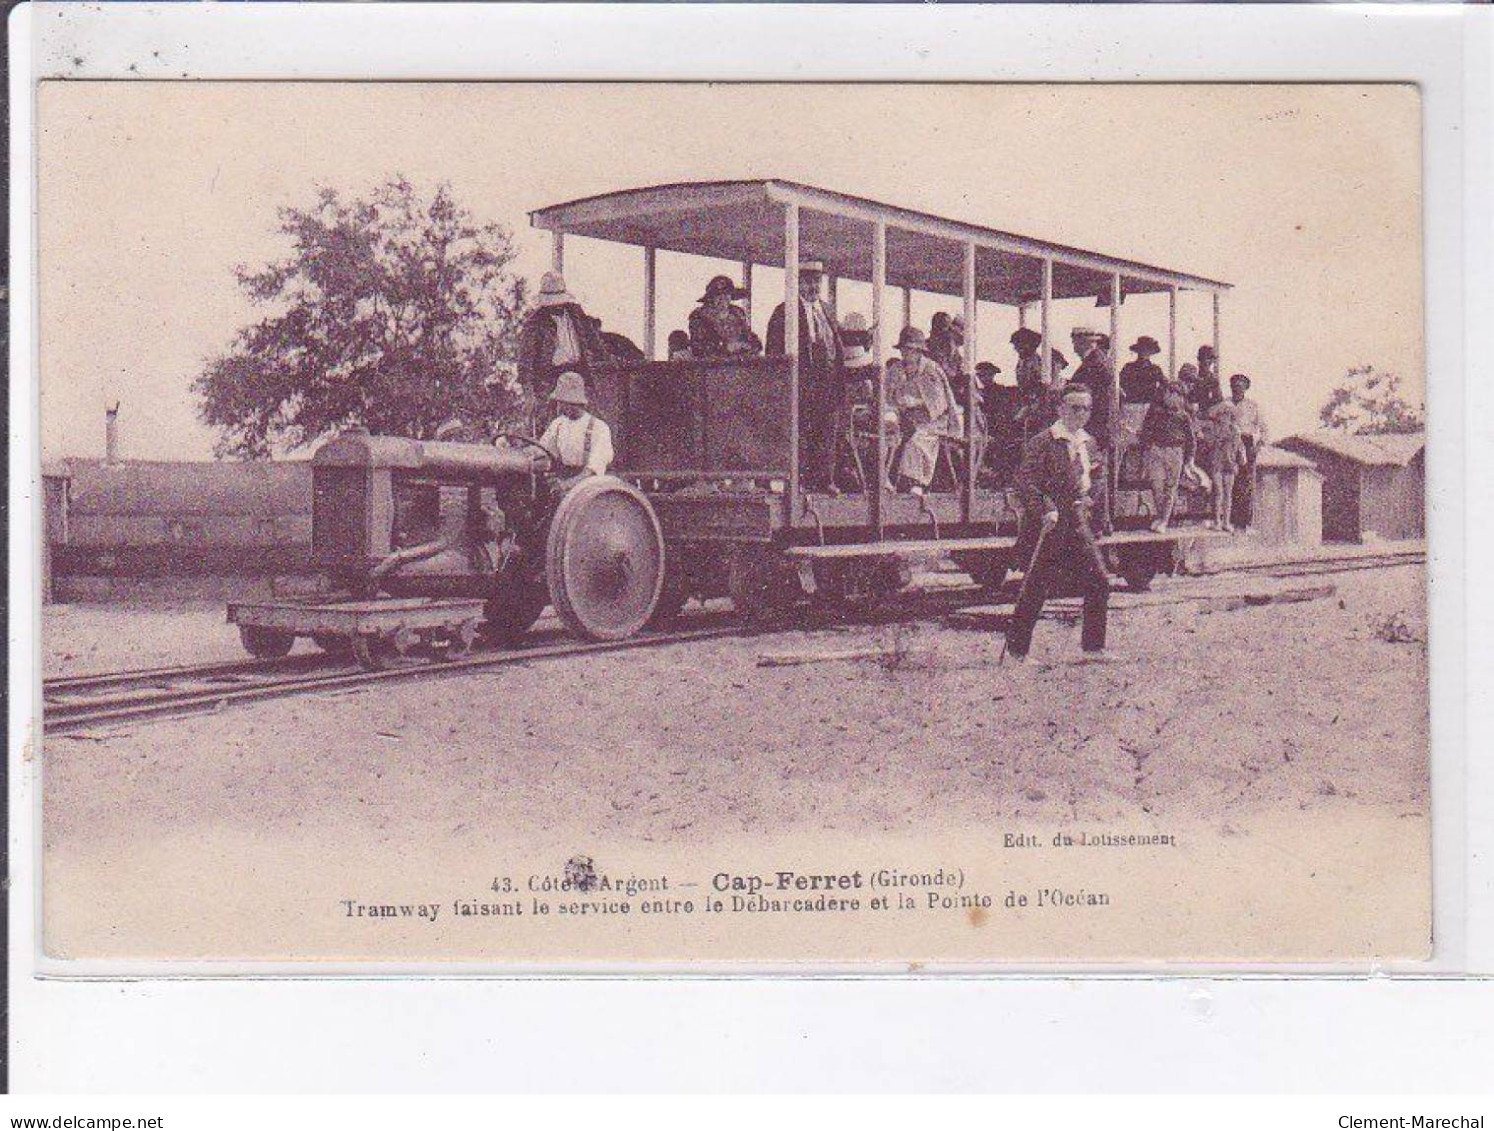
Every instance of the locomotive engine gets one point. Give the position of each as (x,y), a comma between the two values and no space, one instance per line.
(413,518)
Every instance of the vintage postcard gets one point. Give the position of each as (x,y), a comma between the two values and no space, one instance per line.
(587,524)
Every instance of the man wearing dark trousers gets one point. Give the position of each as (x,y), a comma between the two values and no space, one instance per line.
(1059,477)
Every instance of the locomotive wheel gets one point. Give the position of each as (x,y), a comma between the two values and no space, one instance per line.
(512,613)
(988,570)
(763,588)
(604,559)
(266,643)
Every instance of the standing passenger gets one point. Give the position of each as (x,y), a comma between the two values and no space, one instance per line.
(1060,472)
(1167,442)
(1253,433)
(1141,379)
(820,377)
(558,336)
(1094,373)
(1223,454)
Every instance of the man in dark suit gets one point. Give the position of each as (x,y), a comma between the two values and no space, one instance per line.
(821,377)
(1061,472)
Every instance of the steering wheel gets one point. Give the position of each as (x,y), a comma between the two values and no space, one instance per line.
(513,437)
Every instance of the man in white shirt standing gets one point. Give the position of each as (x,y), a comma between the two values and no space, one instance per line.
(580,443)
(1253,431)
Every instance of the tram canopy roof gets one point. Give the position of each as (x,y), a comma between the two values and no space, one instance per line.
(744,221)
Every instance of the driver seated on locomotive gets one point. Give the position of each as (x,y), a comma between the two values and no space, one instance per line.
(578,442)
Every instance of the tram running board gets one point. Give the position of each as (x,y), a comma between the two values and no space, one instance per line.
(990,542)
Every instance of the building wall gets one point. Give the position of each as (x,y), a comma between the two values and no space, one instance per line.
(1393,501)
(1341,497)
(1288,506)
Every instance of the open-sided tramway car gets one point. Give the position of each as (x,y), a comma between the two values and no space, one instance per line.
(705,497)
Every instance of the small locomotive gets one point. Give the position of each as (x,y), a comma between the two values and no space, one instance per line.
(439,522)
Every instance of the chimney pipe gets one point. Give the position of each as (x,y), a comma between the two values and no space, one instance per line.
(111,434)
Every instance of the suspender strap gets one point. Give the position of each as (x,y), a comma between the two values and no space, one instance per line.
(591,427)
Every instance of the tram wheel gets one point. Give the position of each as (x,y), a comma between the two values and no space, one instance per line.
(604,559)
(266,643)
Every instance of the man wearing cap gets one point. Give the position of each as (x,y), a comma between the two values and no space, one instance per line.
(580,443)
(557,336)
(821,384)
(1142,378)
(1060,474)
(1094,373)
(1253,432)
(929,410)
(718,327)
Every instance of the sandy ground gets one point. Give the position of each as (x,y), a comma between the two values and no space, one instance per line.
(1299,717)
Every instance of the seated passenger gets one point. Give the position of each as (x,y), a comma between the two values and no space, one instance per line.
(718,327)
(580,443)
(679,346)
(929,408)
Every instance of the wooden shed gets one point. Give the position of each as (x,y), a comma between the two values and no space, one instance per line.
(57,479)
(1288,503)
(1374,487)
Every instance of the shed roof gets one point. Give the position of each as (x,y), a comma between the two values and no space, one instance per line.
(1272,456)
(743,221)
(1395,450)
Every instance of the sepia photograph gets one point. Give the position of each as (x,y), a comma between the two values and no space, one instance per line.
(561,525)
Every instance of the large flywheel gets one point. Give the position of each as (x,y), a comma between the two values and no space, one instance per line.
(605,559)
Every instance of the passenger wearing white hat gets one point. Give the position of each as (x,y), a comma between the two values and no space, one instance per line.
(821,375)
(557,336)
(580,442)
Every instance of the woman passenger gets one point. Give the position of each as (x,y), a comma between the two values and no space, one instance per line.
(718,327)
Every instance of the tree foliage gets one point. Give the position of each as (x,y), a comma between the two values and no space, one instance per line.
(1369,403)
(394,312)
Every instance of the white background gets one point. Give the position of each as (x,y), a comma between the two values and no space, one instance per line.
(1361,1032)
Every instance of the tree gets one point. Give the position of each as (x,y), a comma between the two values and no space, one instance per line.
(1369,403)
(394,312)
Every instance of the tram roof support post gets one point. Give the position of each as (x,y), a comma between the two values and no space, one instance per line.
(650,298)
(1113,440)
(747,286)
(907,307)
(1047,312)
(791,346)
(972,310)
(879,288)
(1172,333)
(557,252)
(1218,351)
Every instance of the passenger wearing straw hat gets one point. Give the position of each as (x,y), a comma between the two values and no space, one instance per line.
(821,380)
(580,443)
(557,336)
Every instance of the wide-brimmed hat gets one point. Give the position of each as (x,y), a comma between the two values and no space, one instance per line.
(1026,337)
(811,267)
(912,338)
(858,357)
(552,291)
(721,285)
(1146,346)
(570,389)
(1240,377)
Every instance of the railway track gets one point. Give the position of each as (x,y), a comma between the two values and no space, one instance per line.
(71,703)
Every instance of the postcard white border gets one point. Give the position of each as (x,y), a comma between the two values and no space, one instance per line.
(1444,48)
